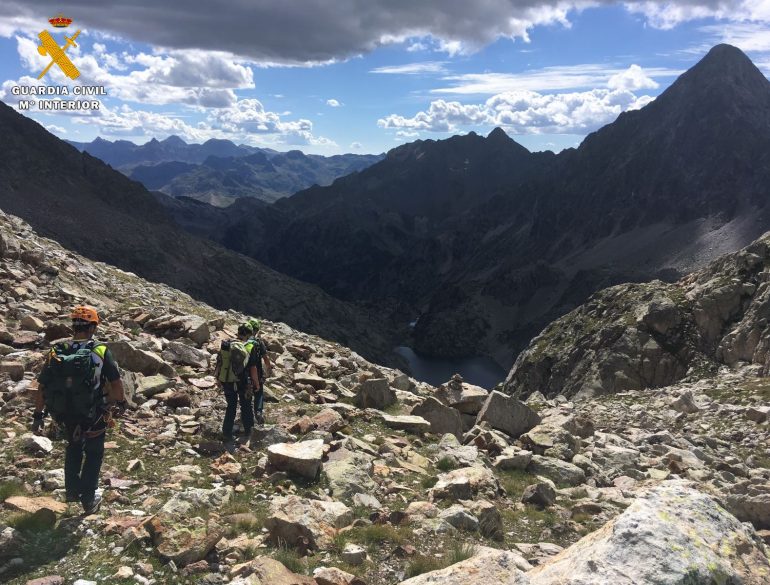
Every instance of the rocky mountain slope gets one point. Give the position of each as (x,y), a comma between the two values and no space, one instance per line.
(362,475)
(218,171)
(635,336)
(483,243)
(84,204)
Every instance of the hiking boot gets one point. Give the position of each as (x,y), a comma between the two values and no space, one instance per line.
(260,419)
(71,498)
(93,506)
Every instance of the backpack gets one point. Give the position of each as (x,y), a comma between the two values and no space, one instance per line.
(71,392)
(233,359)
(260,345)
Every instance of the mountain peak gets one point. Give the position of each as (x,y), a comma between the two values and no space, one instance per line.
(174,140)
(499,134)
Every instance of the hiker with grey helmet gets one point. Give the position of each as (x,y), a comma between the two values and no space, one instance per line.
(237,374)
(80,388)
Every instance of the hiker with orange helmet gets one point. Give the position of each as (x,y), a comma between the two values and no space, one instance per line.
(72,391)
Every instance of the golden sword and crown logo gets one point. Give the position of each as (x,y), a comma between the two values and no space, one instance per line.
(50,47)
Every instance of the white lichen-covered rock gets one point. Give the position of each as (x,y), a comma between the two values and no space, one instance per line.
(304,523)
(673,535)
(487,567)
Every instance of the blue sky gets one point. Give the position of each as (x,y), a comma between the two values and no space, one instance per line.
(366,76)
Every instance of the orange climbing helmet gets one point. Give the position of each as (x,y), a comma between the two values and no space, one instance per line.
(82,313)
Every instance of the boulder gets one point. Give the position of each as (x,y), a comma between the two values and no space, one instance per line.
(442,419)
(465,398)
(374,393)
(408,423)
(139,360)
(460,455)
(14,369)
(673,534)
(183,502)
(302,458)
(460,518)
(31,323)
(181,353)
(334,576)
(465,483)
(33,505)
(753,508)
(267,571)
(305,524)
(328,421)
(488,566)
(37,445)
(540,494)
(685,403)
(758,414)
(353,554)
(513,458)
(185,544)
(507,414)
(311,380)
(349,473)
(152,385)
(561,472)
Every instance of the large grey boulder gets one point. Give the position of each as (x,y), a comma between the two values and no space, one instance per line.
(349,473)
(181,353)
(374,393)
(442,419)
(303,523)
(138,360)
(559,471)
(673,535)
(466,398)
(507,414)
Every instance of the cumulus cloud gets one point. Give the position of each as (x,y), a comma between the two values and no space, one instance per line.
(556,78)
(267,31)
(355,146)
(632,79)
(412,68)
(332,103)
(525,111)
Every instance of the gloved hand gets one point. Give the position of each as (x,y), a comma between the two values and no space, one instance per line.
(38,421)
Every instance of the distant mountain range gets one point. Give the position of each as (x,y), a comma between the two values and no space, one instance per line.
(219,171)
(81,202)
(482,242)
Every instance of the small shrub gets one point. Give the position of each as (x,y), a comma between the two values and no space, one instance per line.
(428,481)
(290,559)
(446,464)
(8,489)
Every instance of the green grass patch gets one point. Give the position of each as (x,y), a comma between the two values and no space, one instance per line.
(426,563)
(514,481)
(8,489)
(428,481)
(446,464)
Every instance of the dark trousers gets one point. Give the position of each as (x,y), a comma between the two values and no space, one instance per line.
(235,393)
(83,459)
(259,399)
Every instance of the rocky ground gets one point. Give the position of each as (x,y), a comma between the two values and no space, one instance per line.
(361,474)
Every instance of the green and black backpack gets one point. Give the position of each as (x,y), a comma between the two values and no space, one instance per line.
(233,357)
(70,389)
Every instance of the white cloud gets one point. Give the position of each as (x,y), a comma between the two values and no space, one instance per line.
(58,130)
(412,68)
(356,146)
(632,79)
(529,112)
(557,78)
(332,103)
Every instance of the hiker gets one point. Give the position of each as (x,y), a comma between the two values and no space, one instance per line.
(72,390)
(237,374)
(264,367)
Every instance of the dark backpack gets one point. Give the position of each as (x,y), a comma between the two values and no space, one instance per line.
(70,389)
(233,357)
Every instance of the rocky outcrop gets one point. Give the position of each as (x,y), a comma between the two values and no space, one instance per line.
(487,566)
(650,335)
(673,534)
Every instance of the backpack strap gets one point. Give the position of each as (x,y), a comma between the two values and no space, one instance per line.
(99,349)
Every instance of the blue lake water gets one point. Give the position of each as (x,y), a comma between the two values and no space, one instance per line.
(481,371)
